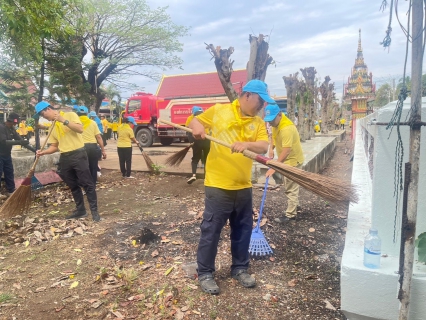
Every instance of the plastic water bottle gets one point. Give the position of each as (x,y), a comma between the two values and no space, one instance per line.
(372,250)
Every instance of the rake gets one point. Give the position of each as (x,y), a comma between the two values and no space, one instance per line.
(258,244)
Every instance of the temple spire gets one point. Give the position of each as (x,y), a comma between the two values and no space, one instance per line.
(359,41)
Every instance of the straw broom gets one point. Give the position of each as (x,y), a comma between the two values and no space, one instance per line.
(332,189)
(148,160)
(20,200)
(176,159)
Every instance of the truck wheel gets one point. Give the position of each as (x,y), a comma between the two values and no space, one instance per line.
(144,136)
(166,141)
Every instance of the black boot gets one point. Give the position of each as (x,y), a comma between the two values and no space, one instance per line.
(95,216)
(76,215)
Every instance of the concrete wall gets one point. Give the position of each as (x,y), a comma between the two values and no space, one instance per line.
(23,161)
(366,293)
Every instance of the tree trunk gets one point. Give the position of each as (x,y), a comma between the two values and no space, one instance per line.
(40,94)
(309,75)
(324,91)
(99,96)
(291,84)
(414,157)
(259,58)
(223,65)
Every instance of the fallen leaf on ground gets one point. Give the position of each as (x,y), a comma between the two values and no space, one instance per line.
(117,314)
(41,289)
(154,253)
(311,229)
(74,285)
(269,286)
(328,305)
(79,262)
(168,271)
(78,250)
(292,283)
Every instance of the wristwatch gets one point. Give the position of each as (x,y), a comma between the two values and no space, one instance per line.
(66,122)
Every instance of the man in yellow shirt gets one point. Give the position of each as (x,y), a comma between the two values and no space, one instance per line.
(115,129)
(200,148)
(289,150)
(22,130)
(92,138)
(104,122)
(124,146)
(342,123)
(228,189)
(67,138)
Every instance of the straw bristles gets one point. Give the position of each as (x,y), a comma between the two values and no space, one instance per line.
(19,202)
(176,159)
(148,161)
(334,190)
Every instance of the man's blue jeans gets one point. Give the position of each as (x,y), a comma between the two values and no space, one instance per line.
(6,167)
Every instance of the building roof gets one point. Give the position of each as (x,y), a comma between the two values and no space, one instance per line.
(198,84)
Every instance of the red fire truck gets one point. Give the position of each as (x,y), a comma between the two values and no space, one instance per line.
(147,108)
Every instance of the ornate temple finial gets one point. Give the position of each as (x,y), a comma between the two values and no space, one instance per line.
(359,41)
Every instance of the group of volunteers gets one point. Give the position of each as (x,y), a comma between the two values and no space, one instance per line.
(228,188)
(78,136)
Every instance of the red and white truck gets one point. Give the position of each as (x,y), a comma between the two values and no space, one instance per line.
(147,108)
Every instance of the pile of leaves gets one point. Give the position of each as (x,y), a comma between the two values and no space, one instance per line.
(38,229)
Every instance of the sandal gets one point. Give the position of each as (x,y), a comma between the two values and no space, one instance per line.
(244,278)
(208,285)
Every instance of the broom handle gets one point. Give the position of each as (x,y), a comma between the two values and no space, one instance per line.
(247,153)
(262,204)
(42,147)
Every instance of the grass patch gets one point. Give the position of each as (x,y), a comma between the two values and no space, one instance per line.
(5,297)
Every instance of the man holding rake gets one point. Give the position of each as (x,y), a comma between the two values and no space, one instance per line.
(228,180)
(289,149)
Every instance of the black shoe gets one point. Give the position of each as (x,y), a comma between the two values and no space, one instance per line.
(76,215)
(96,217)
(285,219)
(208,285)
(244,278)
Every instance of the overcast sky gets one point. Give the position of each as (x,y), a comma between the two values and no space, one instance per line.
(319,33)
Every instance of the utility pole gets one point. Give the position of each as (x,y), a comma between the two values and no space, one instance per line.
(414,157)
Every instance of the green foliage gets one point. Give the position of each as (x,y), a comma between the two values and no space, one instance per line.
(383,95)
(4,297)
(421,247)
(408,85)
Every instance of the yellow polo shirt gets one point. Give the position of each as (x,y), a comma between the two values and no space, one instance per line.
(114,126)
(125,134)
(22,129)
(188,121)
(90,131)
(105,125)
(226,170)
(287,136)
(342,121)
(67,139)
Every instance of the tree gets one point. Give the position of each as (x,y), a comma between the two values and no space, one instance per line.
(309,76)
(291,85)
(383,95)
(325,104)
(259,59)
(111,92)
(223,64)
(127,38)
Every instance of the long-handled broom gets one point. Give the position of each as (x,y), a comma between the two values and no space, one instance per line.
(20,200)
(148,160)
(259,246)
(334,190)
(176,159)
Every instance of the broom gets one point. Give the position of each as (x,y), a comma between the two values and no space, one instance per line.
(258,244)
(20,200)
(334,190)
(176,159)
(148,160)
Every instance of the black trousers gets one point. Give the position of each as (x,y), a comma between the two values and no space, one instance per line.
(221,205)
(115,134)
(200,150)
(104,139)
(93,157)
(6,167)
(76,174)
(125,159)
(109,132)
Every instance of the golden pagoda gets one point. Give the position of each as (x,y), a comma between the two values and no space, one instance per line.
(360,88)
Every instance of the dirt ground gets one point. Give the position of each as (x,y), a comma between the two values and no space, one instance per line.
(132,264)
